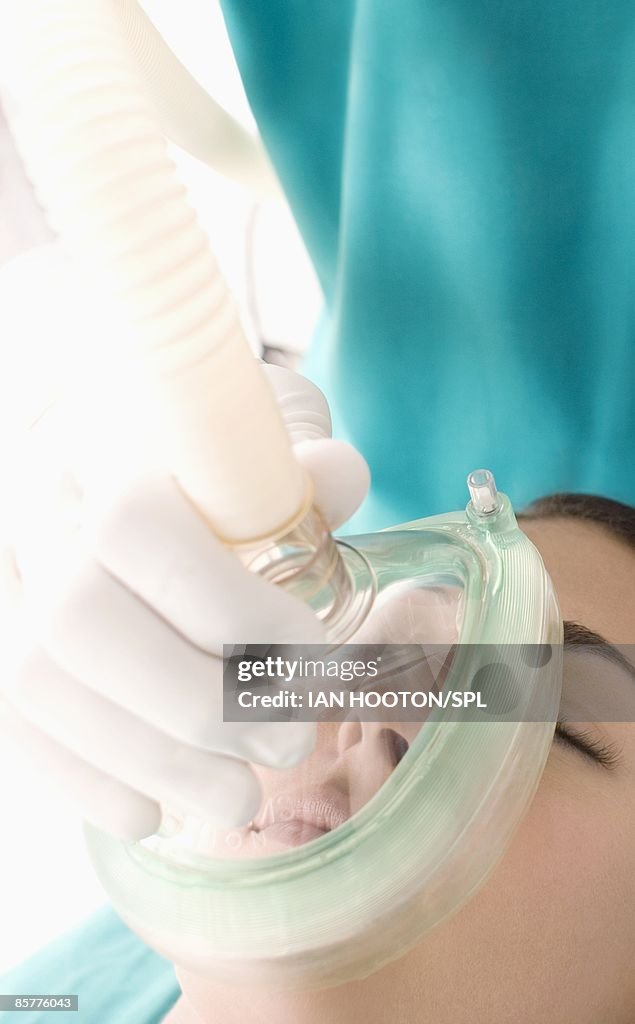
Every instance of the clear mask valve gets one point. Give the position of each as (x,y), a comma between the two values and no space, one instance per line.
(482,487)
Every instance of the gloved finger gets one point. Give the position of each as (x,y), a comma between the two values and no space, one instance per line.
(101,634)
(303,407)
(221,790)
(106,802)
(340,475)
(155,542)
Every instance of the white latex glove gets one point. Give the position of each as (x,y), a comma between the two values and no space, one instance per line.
(120,614)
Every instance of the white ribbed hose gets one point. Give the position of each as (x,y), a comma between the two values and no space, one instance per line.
(96,154)
(187,114)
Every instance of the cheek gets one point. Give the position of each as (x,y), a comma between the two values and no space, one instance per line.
(570,877)
(577,843)
(553,930)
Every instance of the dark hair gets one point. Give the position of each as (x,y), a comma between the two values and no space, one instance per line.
(617,518)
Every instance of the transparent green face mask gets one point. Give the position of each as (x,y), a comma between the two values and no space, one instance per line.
(398,816)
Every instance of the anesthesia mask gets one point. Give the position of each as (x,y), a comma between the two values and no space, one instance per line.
(401,811)
(405,805)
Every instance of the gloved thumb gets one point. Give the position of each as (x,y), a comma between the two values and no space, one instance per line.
(340,474)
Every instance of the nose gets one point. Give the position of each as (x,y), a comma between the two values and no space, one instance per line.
(349,734)
(387,744)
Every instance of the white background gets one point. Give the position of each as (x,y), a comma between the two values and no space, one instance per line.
(46,881)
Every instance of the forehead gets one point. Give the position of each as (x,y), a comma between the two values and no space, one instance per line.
(593,573)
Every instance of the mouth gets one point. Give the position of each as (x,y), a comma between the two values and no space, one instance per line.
(290,821)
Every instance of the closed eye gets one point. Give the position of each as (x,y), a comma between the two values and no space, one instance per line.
(588,746)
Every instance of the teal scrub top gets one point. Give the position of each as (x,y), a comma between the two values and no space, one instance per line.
(117,978)
(462,174)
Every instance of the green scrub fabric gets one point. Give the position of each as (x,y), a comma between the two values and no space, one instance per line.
(117,978)
(462,174)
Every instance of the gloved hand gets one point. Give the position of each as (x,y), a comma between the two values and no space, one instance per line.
(120,614)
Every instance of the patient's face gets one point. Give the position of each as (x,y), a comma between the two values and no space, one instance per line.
(551,936)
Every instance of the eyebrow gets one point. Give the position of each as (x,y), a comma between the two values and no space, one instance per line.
(577,635)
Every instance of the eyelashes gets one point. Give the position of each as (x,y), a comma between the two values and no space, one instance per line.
(588,746)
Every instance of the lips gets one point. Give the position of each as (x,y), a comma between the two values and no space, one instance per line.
(291,833)
(294,820)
